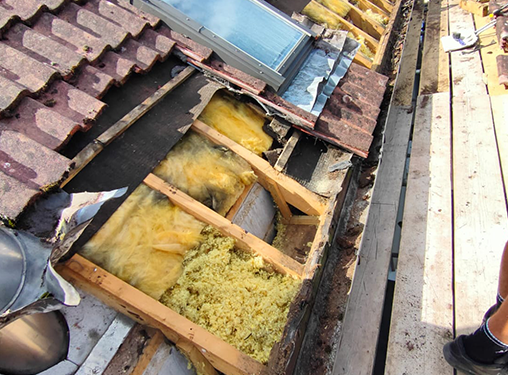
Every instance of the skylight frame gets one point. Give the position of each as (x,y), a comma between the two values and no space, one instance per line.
(279,77)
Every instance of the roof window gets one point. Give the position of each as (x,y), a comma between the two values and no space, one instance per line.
(248,34)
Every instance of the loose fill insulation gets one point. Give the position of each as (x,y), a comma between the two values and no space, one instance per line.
(234,295)
(237,121)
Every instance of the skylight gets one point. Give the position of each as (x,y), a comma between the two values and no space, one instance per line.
(247,25)
(248,34)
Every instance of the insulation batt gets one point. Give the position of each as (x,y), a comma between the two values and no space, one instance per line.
(210,174)
(339,7)
(320,15)
(144,242)
(237,121)
(234,295)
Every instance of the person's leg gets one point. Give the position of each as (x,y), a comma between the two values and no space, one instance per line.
(503,274)
(486,350)
(498,322)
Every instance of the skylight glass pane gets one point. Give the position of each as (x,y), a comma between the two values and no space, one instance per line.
(245,24)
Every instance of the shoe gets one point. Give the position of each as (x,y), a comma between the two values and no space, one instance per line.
(455,354)
(490,312)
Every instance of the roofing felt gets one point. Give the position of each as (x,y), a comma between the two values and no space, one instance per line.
(58,58)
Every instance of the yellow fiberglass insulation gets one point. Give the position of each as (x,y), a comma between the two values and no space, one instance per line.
(340,7)
(322,15)
(377,17)
(144,242)
(237,121)
(212,175)
(233,295)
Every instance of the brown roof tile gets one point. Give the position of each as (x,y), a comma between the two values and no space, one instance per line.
(201,53)
(43,49)
(111,34)
(29,162)
(162,44)
(341,99)
(116,66)
(11,92)
(350,115)
(26,167)
(71,36)
(89,44)
(144,57)
(24,10)
(15,194)
(23,69)
(94,82)
(40,123)
(118,16)
(343,134)
(151,19)
(72,103)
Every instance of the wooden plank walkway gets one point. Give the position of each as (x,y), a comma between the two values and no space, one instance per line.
(455,216)
(357,346)
(455,212)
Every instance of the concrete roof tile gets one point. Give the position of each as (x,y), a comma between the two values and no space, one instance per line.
(57,57)
(144,57)
(11,92)
(29,162)
(110,33)
(72,103)
(151,19)
(116,66)
(43,49)
(162,44)
(76,39)
(118,16)
(40,123)
(94,82)
(23,69)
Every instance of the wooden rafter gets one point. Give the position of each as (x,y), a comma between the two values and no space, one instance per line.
(291,191)
(146,310)
(244,240)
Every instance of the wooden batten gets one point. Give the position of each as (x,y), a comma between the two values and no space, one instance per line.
(385,5)
(244,240)
(384,42)
(304,220)
(291,191)
(370,41)
(146,310)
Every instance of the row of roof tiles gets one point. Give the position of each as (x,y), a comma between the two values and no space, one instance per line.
(57,60)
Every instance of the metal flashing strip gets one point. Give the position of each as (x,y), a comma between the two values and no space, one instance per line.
(320,74)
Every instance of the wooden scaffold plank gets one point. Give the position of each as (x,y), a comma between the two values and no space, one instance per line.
(358,342)
(480,216)
(422,312)
(499,106)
